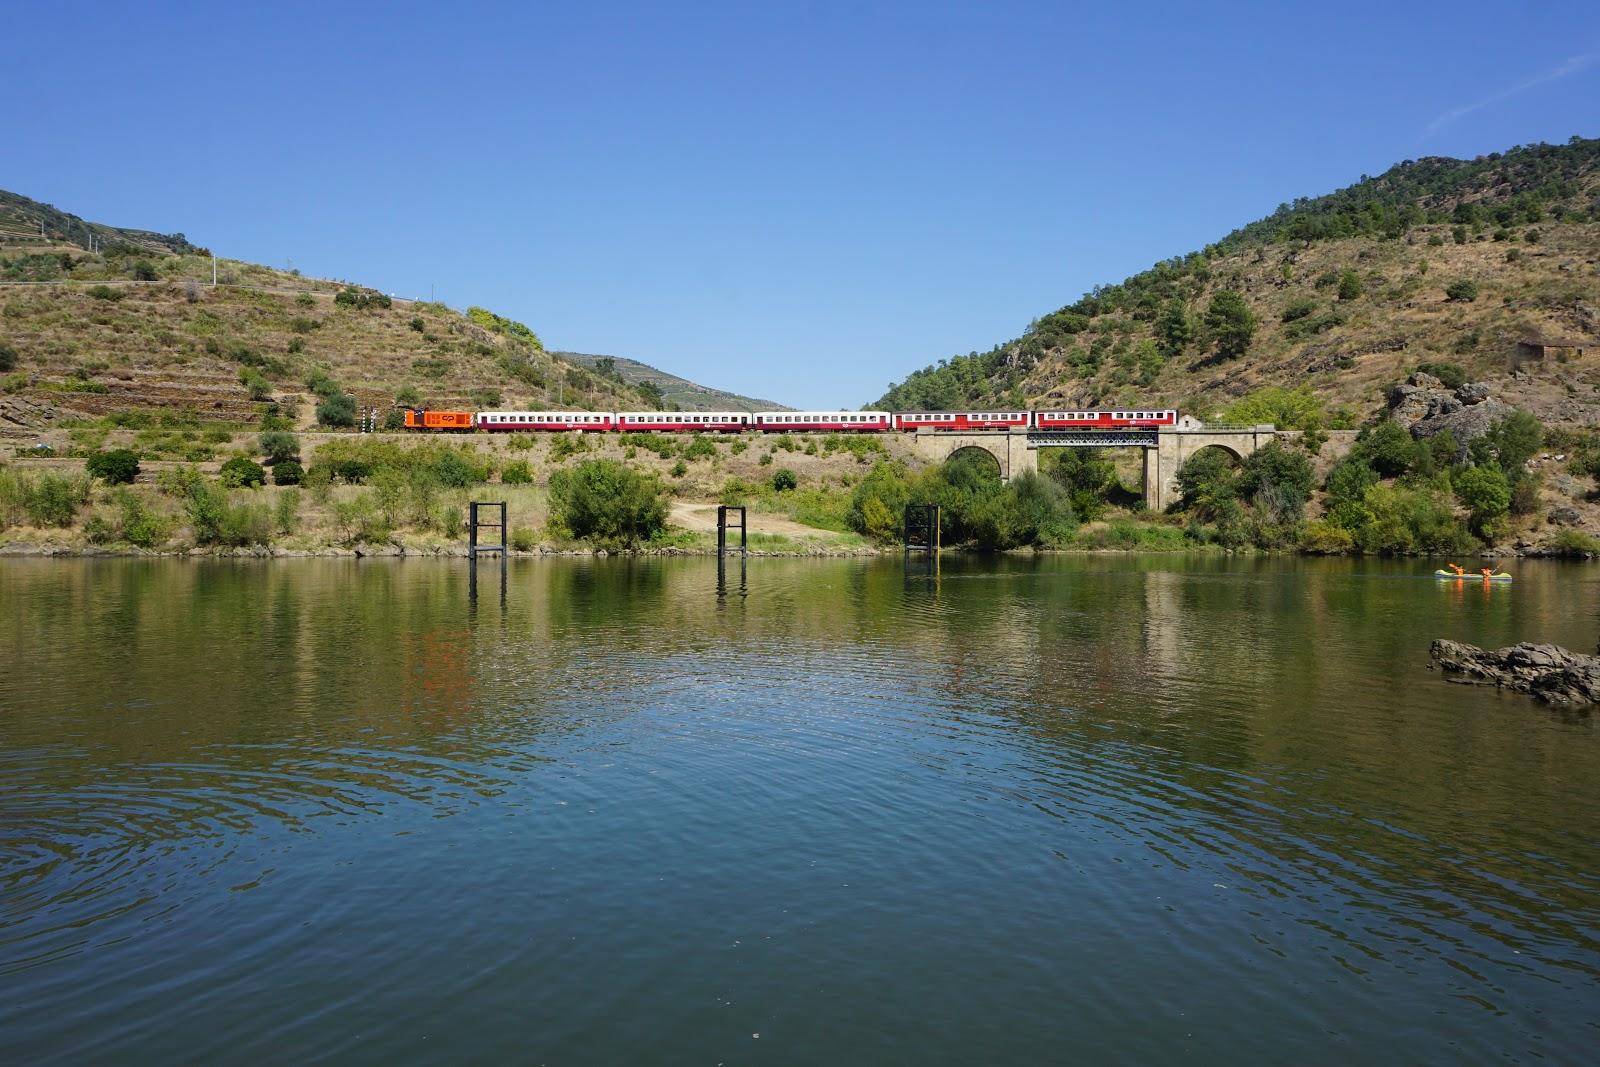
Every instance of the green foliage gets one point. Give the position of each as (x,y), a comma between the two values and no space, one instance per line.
(1511,442)
(607,503)
(679,469)
(417,325)
(568,444)
(1573,544)
(337,410)
(288,472)
(143,271)
(408,397)
(878,503)
(700,448)
(783,479)
(256,385)
(1461,291)
(1486,493)
(285,509)
(1230,324)
(1276,481)
(1388,449)
(1453,375)
(974,507)
(517,472)
(1206,478)
(524,540)
(241,472)
(106,293)
(1175,329)
(1287,409)
(1349,285)
(42,499)
(1322,538)
(278,445)
(1299,309)
(1402,521)
(352,297)
(322,385)
(120,466)
(504,326)
(1089,479)
(130,520)
(8,357)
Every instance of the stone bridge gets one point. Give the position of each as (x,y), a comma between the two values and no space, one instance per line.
(1166,448)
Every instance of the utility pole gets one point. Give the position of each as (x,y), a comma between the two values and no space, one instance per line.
(213,272)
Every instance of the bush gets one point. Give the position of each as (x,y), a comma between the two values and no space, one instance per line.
(453,470)
(120,466)
(143,271)
(1485,492)
(278,446)
(607,503)
(1349,285)
(43,500)
(1388,449)
(1461,291)
(1323,538)
(517,472)
(1230,324)
(700,448)
(1299,309)
(320,384)
(524,540)
(241,472)
(256,385)
(288,472)
(878,503)
(679,469)
(337,410)
(8,357)
(1453,375)
(1573,544)
(106,293)
(783,479)
(285,509)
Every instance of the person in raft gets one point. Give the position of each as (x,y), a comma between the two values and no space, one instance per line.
(1457,568)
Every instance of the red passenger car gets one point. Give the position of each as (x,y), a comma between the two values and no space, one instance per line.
(1103,420)
(813,421)
(965,421)
(592,421)
(683,421)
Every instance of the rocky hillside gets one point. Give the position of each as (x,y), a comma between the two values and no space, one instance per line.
(137,325)
(1462,262)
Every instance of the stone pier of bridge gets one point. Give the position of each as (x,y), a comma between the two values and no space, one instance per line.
(1165,448)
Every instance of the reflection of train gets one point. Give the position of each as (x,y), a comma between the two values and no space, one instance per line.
(785,421)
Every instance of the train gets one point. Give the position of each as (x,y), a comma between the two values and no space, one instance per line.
(784,421)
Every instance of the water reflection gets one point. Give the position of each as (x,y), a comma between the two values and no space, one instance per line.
(1252,750)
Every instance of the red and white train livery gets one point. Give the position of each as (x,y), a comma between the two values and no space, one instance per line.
(788,421)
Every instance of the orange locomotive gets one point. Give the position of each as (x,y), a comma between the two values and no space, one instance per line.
(419,419)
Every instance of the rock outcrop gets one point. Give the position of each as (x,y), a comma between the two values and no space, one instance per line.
(1428,407)
(1548,672)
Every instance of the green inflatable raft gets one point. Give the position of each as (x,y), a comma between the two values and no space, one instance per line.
(1473,576)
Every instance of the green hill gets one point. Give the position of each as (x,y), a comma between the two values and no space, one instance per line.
(134,328)
(1436,260)
(676,393)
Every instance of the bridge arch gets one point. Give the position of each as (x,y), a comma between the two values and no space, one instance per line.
(1009,450)
(988,455)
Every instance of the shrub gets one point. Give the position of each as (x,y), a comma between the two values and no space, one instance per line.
(1230,324)
(1574,544)
(120,466)
(285,509)
(408,397)
(1511,442)
(783,479)
(452,469)
(1453,375)
(517,472)
(241,472)
(520,442)
(43,500)
(568,444)
(878,503)
(1323,538)
(143,271)
(106,293)
(1299,309)
(1461,291)
(1349,285)
(1485,492)
(766,459)
(8,357)
(417,324)
(700,448)
(608,503)
(524,539)
(337,410)
(256,386)
(679,469)
(278,445)
(288,472)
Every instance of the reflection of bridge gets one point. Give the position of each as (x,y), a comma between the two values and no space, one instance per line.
(1166,448)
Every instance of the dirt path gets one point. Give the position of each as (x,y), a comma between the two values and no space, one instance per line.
(703,517)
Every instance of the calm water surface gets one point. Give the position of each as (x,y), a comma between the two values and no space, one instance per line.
(1136,809)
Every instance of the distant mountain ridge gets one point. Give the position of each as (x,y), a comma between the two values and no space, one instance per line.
(24,219)
(675,391)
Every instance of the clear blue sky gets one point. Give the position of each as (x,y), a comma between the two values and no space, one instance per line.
(796,201)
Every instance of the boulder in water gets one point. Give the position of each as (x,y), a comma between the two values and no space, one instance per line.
(1548,672)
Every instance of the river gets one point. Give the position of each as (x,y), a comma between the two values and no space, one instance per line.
(1074,808)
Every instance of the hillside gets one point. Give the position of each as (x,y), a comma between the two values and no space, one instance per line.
(676,393)
(25,221)
(137,327)
(1347,292)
